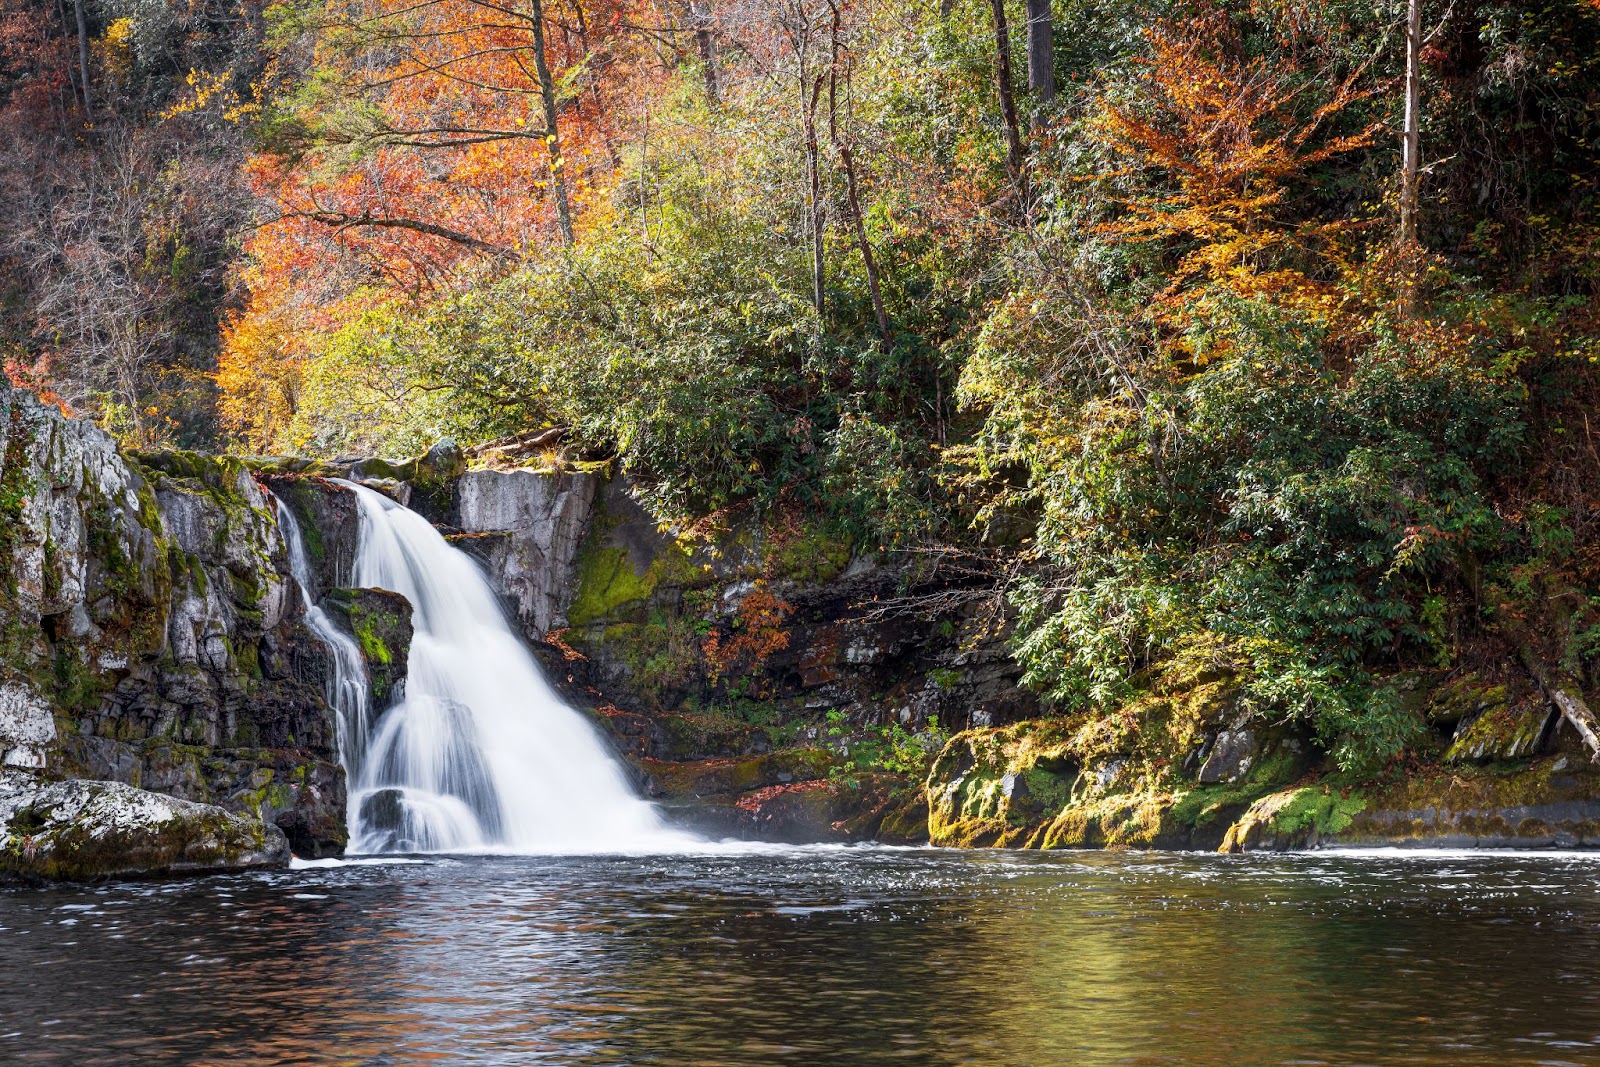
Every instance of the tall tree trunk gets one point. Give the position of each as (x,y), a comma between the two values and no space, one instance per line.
(706,42)
(547,90)
(847,162)
(871,264)
(809,95)
(1016,161)
(83,54)
(1041,51)
(1410,156)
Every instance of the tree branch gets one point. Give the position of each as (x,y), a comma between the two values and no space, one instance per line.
(342,221)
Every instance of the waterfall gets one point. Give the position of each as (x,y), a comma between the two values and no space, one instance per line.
(480,754)
(347,690)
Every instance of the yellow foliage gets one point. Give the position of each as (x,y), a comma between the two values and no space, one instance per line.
(113,52)
(259,375)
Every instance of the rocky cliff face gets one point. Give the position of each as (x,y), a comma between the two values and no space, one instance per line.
(746,676)
(162,708)
(526,528)
(149,632)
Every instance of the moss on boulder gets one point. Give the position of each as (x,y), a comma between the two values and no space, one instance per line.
(1302,817)
(1056,783)
(380,622)
(80,830)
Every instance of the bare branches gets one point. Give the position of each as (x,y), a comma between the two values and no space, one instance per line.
(342,221)
(944,580)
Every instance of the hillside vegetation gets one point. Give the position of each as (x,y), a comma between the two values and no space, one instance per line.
(1141,311)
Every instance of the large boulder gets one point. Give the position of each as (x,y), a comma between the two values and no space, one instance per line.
(78,830)
(526,527)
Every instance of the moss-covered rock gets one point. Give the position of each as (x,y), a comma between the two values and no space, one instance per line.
(1058,784)
(1551,802)
(1294,818)
(79,830)
(380,623)
(329,522)
(990,786)
(1491,723)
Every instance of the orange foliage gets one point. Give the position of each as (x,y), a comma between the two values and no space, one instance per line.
(413,147)
(36,378)
(757,632)
(1230,137)
(429,113)
(258,371)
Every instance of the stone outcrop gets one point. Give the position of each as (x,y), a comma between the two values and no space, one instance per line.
(149,632)
(1056,784)
(81,830)
(526,528)
(380,623)
(330,527)
(772,637)
(777,614)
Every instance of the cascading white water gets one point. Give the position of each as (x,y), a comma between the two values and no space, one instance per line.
(347,682)
(481,754)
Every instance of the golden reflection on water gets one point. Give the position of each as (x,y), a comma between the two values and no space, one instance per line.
(818,957)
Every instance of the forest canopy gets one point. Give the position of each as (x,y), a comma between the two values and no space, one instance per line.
(1257,334)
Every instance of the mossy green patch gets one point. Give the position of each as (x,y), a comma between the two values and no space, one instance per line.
(1501,732)
(805,552)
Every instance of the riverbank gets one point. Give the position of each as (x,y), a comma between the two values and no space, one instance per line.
(765,678)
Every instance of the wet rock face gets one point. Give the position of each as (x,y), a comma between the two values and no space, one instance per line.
(330,527)
(380,623)
(80,830)
(777,614)
(526,528)
(149,631)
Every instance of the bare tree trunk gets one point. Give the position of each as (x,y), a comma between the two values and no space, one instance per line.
(808,118)
(886,342)
(852,189)
(1041,51)
(1410,153)
(1016,162)
(83,54)
(706,42)
(1566,698)
(547,90)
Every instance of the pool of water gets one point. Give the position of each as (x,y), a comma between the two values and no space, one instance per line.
(819,956)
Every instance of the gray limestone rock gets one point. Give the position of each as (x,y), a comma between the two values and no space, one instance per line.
(527,527)
(77,830)
(1230,758)
(151,632)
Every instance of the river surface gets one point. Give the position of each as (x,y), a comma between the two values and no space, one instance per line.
(819,956)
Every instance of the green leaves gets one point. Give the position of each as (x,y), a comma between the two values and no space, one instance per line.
(1297,512)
